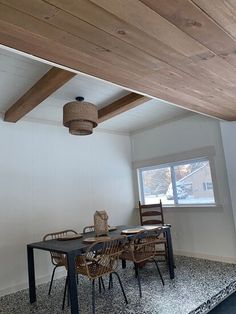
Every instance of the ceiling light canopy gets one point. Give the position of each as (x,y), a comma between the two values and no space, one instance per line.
(80,117)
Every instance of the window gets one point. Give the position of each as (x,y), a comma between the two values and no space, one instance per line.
(207,186)
(184,183)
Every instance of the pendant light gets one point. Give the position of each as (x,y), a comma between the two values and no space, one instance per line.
(80,117)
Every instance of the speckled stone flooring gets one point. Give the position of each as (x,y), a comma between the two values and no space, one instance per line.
(196,282)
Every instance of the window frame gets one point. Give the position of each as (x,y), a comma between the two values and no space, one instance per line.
(205,153)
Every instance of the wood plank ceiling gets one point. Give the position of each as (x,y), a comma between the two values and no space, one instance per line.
(182,51)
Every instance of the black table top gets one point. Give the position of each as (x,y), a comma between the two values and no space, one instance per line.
(76,246)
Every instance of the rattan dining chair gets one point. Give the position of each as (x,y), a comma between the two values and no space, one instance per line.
(56,258)
(94,266)
(88,229)
(142,248)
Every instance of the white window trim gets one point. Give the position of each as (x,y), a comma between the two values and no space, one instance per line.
(204,152)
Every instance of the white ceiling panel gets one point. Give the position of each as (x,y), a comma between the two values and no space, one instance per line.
(18,73)
(151,113)
(93,90)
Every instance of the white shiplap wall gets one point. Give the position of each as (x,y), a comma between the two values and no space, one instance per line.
(51,180)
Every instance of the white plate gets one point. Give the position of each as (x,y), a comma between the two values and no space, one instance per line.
(132,230)
(151,227)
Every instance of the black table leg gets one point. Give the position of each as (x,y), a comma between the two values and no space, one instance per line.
(170,253)
(72,284)
(31,274)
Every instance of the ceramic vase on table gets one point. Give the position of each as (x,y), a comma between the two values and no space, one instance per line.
(101,223)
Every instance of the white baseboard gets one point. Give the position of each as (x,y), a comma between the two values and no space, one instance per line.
(225,259)
(24,285)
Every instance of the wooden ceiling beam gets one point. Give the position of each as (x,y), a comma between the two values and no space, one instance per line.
(48,84)
(121,105)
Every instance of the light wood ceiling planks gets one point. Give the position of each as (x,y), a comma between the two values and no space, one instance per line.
(182,51)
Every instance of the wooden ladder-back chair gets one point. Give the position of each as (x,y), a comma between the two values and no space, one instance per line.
(101,258)
(56,258)
(152,214)
(142,248)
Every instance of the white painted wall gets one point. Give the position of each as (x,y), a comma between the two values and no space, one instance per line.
(206,232)
(50,180)
(228,132)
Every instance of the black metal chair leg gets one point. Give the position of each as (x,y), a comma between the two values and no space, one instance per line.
(166,255)
(138,277)
(93,295)
(103,286)
(99,283)
(135,269)
(122,288)
(64,296)
(110,282)
(158,269)
(52,277)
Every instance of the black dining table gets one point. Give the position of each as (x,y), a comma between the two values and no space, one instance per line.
(72,249)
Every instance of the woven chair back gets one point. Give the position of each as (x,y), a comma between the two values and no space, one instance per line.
(143,246)
(88,229)
(57,257)
(91,228)
(101,257)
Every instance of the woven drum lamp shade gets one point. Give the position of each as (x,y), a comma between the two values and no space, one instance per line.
(80,117)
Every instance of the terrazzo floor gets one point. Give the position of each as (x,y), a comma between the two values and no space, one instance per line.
(228,306)
(197,281)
